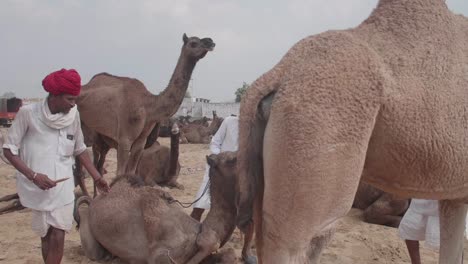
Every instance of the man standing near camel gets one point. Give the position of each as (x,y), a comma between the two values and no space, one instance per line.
(41,144)
(225,139)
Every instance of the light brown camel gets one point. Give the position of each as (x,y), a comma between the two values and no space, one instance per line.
(379,207)
(198,133)
(160,164)
(121,109)
(389,96)
(156,229)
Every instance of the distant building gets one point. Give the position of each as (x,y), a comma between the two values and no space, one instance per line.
(200,107)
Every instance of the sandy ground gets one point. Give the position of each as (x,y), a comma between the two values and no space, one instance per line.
(354,241)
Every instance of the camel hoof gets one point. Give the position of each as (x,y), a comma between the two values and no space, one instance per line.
(249,259)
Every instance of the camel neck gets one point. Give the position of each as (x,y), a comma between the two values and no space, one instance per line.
(165,104)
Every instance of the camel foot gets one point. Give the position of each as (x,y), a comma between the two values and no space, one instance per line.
(9,197)
(250,259)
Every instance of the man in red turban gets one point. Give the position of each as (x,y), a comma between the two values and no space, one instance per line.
(42,143)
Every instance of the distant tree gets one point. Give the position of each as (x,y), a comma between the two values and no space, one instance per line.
(241,91)
(8,95)
(187,94)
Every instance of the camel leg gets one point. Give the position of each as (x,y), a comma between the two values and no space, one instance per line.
(318,244)
(452,230)
(123,153)
(14,206)
(207,242)
(79,177)
(9,197)
(310,180)
(247,255)
(135,153)
(99,157)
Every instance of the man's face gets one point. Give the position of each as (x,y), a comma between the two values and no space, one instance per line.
(65,102)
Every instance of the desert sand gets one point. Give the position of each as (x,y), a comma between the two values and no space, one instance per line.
(354,240)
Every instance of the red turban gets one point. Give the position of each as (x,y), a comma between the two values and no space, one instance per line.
(63,82)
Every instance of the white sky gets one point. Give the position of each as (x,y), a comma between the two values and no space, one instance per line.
(142,38)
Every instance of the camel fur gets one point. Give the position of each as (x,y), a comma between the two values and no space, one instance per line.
(386,100)
(124,111)
(156,229)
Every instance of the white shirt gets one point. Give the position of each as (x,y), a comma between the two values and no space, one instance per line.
(226,138)
(45,150)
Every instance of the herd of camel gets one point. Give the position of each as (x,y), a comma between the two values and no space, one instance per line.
(380,105)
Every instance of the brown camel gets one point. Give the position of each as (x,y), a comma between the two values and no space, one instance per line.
(200,134)
(157,230)
(160,164)
(379,207)
(387,98)
(121,109)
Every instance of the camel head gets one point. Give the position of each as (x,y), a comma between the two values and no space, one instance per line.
(223,173)
(197,48)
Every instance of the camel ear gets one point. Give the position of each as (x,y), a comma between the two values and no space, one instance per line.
(185,38)
(211,160)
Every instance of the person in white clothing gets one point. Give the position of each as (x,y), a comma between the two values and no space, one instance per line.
(225,139)
(420,222)
(41,145)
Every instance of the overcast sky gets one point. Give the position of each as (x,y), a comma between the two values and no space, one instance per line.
(142,38)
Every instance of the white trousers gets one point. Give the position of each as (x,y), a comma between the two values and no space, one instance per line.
(60,218)
(415,226)
(205,201)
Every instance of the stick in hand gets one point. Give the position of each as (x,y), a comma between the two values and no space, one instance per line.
(61,180)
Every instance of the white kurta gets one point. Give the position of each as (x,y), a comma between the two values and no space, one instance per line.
(45,150)
(225,139)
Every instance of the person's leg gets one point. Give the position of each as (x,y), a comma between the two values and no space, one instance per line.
(197,213)
(413,250)
(45,245)
(55,241)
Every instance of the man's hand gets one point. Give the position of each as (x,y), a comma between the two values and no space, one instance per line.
(101,184)
(43,182)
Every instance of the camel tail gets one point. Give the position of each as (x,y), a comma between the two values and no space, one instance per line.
(83,199)
(254,113)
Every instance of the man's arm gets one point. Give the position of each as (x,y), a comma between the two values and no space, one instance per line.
(41,180)
(89,166)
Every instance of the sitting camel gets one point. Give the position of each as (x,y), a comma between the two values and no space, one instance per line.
(385,102)
(160,164)
(379,207)
(200,134)
(156,229)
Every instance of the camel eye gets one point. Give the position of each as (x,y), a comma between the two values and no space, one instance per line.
(194,44)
